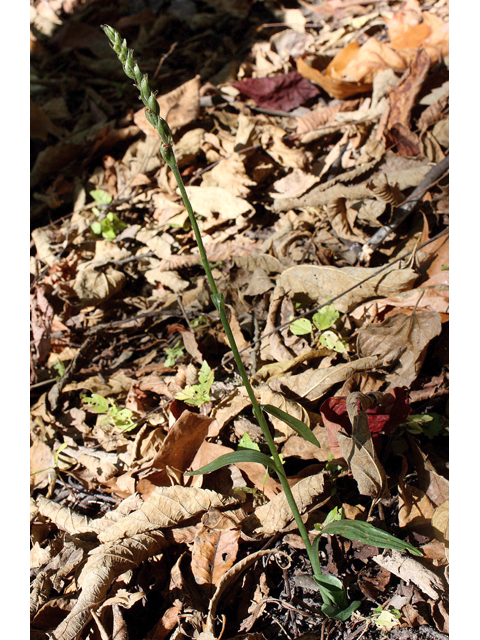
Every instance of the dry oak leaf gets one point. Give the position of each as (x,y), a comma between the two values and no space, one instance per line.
(105,563)
(218,205)
(321,284)
(315,383)
(403,340)
(411,570)
(358,449)
(215,547)
(229,174)
(276,514)
(94,287)
(165,507)
(179,107)
(330,79)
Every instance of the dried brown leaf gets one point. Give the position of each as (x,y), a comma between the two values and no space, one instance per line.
(215,547)
(321,284)
(315,383)
(411,570)
(403,340)
(165,507)
(359,452)
(276,514)
(106,562)
(179,107)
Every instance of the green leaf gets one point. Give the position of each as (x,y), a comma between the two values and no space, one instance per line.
(101,196)
(234,458)
(301,327)
(296,424)
(334,515)
(332,612)
(97,403)
(326,317)
(330,340)
(96,227)
(205,376)
(368,534)
(247,443)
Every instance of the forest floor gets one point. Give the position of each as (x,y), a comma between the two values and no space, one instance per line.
(312,138)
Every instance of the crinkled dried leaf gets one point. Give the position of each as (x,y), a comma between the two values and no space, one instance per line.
(218,203)
(359,452)
(65,519)
(215,547)
(315,383)
(230,577)
(403,340)
(229,174)
(165,507)
(276,514)
(106,562)
(411,570)
(440,524)
(93,287)
(282,430)
(321,284)
(182,105)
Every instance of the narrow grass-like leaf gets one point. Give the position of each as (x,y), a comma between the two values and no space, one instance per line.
(296,424)
(246,455)
(368,534)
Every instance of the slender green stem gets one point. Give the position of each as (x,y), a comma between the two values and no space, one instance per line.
(246,381)
(152,113)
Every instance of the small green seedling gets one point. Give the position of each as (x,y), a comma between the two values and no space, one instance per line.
(430,424)
(198,394)
(383,619)
(120,418)
(60,369)
(111,225)
(173,353)
(322,320)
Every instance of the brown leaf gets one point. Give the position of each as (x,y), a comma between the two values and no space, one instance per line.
(402,100)
(321,284)
(215,547)
(408,569)
(359,451)
(314,383)
(276,514)
(331,78)
(180,107)
(403,340)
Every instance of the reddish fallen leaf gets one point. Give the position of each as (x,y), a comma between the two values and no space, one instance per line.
(382,419)
(284,92)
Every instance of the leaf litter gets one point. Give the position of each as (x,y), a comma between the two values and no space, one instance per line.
(300,132)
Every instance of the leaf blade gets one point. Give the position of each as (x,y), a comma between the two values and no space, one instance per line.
(246,455)
(368,534)
(296,424)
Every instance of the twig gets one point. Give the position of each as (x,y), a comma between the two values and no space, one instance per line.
(56,390)
(408,205)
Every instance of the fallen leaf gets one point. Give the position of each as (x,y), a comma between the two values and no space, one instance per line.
(320,284)
(392,411)
(282,92)
(358,449)
(401,340)
(215,547)
(179,107)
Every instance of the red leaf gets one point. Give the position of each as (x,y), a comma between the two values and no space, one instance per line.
(382,419)
(284,92)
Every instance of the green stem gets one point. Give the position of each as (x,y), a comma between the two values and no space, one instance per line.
(218,301)
(152,113)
